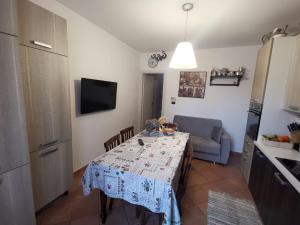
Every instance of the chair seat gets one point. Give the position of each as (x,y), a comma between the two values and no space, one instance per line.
(207,146)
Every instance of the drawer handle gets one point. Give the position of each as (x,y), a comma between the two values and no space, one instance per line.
(260,155)
(281,181)
(48,144)
(41,44)
(292,107)
(48,152)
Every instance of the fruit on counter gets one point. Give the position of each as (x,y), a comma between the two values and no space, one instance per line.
(277,138)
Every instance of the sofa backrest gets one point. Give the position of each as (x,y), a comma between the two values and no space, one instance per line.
(196,126)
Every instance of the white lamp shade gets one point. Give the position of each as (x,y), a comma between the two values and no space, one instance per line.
(183,57)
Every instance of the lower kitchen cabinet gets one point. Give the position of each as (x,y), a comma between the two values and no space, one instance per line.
(278,203)
(16,204)
(51,173)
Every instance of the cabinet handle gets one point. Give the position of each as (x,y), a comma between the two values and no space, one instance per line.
(281,181)
(292,107)
(41,44)
(48,152)
(1,180)
(48,144)
(260,155)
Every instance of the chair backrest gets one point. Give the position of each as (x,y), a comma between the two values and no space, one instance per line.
(185,169)
(127,133)
(112,142)
(201,127)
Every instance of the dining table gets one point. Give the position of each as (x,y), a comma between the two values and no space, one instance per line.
(144,175)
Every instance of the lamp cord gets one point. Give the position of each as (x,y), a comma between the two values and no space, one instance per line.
(186,23)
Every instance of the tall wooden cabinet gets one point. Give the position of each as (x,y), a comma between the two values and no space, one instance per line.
(44,63)
(292,101)
(16,199)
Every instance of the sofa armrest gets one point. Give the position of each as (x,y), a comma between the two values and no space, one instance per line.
(225,147)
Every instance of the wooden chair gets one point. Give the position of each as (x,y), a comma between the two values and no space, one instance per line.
(110,144)
(182,184)
(127,133)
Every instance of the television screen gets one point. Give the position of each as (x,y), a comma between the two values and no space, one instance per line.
(97,95)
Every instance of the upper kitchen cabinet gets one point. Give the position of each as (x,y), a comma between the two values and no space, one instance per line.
(261,72)
(13,133)
(42,29)
(8,17)
(292,101)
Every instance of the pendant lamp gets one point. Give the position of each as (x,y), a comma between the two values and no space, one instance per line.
(184,56)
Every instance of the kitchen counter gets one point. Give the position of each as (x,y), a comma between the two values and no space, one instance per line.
(272,152)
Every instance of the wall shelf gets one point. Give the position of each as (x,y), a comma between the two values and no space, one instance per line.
(236,80)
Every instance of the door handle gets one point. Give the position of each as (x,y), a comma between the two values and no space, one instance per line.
(41,44)
(259,154)
(43,153)
(280,180)
(48,144)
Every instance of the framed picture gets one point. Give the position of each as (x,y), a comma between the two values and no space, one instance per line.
(192,84)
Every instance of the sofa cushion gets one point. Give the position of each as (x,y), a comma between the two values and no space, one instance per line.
(200,127)
(205,145)
(217,134)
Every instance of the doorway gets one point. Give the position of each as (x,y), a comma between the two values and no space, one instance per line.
(152,94)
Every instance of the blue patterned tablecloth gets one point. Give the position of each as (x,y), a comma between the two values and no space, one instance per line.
(142,175)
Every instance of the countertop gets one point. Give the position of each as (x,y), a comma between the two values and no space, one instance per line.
(272,152)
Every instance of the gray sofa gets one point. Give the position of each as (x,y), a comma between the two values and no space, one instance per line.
(210,141)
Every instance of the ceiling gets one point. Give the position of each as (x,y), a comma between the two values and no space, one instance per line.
(155,25)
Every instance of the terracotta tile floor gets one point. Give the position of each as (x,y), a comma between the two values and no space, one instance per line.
(75,209)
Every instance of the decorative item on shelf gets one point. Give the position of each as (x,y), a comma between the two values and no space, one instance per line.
(192,84)
(277,32)
(155,58)
(294,129)
(152,128)
(226,74)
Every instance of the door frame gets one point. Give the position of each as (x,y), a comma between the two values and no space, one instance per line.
(140,119)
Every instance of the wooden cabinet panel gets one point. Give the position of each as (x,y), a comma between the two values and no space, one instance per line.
(35,24)
(8,17)
(13,133)
(261,72)
(293,90)
(61,41)
(42,29)
(51,173)
(46,85)
(16,201)
(247,157)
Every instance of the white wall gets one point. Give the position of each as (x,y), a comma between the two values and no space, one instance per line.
(274,119)
(229,104)
(93,53)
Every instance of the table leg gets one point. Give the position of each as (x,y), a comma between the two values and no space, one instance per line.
(103,199)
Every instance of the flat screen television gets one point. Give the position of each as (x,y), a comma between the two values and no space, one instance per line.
(97,95)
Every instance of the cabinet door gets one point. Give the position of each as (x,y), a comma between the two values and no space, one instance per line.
(16,201)
(46,88)
(61,41)
(283,202)
(8,17)
(261,72)
(36,26)
(256,180)
(293,90)
(13,133)
(51,173)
